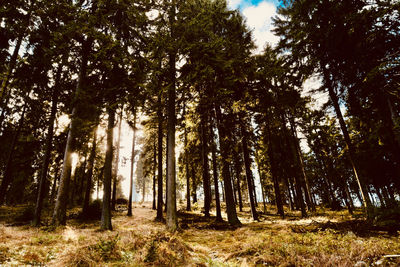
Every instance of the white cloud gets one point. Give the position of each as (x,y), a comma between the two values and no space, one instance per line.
(234,3)
(259,19)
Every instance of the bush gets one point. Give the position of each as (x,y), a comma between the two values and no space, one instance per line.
(122,201)
(94,211)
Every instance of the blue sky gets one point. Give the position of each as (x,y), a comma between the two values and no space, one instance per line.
(258,14)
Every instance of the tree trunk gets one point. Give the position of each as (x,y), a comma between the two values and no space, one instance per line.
(59,215)
(204,158)
(172,221)
(89,174)
(106,210)
(334,98)
(160,168)
(249,175)
(115,174)
(188,208)
(215,174)
(224,146)
(132,163)
(274,173)
(194,189)
(238,171)
(7,178)
(154,175)
(47,153)
(300,161)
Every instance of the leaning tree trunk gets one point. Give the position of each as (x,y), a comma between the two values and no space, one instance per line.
(224,146)
(59,215)
(47,153)
(106,210)
(249,176)
(334,98)
(132,162)
(115,174)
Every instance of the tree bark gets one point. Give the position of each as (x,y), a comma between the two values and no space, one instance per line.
(334,98)
(215,174)
(106,210)
(249,176)
(238,171)
(224,146)
(188,207)
(115,174)
(89,174)
(160,168)
(132,164)
(47,153)
(204,158)
(154,175)
(59,214)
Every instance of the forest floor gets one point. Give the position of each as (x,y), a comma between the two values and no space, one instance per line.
(324,239)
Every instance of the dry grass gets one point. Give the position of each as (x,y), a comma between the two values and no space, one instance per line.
(325,239)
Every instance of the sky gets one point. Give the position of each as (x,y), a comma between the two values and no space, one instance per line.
(258,16)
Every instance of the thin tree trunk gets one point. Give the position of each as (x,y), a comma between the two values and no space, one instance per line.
(224,146)
(89,174)
(47,153)
(115,174)
(204,157)
(59,215)
(194,189)
(238,172)
(215,174)
(160,168)
(274,173)
(166,173)
(307,190)
(154,174)
(249,176)
(132,163)
(106,210)
(188,208)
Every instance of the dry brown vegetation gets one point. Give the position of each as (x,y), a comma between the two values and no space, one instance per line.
(334,239)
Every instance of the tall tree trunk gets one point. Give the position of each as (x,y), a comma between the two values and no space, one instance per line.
(7,178)
(334,98)
(238,171)
(300,161)
(172,221)
(54,185)
(249,176)
(215,174)
(59,214)
(89,173)
(160,168)
(224,146)
(106,210)
(274,173)
(47,153)
(166,172)
(188,208)
(261,181)
(115,174)
(204,158)
(194,189)
(132,163)
(154,174)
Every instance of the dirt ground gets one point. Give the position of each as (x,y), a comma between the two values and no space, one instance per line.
(324,239)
